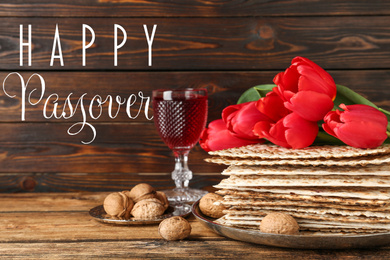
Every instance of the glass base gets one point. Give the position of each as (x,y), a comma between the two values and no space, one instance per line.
(184,195)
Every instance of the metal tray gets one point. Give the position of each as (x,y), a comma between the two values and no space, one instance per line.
(328,241)
(100,215)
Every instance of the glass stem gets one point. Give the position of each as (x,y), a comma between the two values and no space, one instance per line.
(182,174)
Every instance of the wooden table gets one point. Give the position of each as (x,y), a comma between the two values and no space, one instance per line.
(57,225)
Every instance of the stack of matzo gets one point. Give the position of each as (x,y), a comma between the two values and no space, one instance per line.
(325,188)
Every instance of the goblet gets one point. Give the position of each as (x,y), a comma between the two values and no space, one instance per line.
(180,115)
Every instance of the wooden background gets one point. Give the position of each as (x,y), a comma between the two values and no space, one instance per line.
(225,46)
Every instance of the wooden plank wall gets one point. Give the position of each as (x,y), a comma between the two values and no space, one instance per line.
(225,46)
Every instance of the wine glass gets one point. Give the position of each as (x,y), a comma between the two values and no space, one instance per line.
(180,115)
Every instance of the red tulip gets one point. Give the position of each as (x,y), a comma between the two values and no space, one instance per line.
(272,106)
(240,119)
(218,137)
(292,131)
(359,126)
(306,89)
(283,127)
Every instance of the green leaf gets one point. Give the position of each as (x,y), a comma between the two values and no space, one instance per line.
(387,114)
(324,138)
(387,141)
(255,93)
(264,89)
(249,95)
(349,97)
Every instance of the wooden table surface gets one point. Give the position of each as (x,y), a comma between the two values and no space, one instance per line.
(57,225)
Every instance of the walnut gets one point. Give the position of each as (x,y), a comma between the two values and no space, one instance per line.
(148,209)
(174,228)
(279,223)
(117,204)
(127,193)
(163,198)
(211,205)
(142,191)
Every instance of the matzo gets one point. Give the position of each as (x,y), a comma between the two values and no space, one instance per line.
(245,202)
(358,161)
(323,217)
(377,170)
(305,181)
(314,228)
(325,188)
(334,193)
(270,151)
(248,210)
(245,220)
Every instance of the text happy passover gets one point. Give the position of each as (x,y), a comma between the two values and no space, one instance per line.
(68,109)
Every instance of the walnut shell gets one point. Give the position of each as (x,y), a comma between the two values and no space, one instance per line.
(163,198)
(210,205)
(142,191)
(117,204)
(279,223)
(174,228)
(148,209)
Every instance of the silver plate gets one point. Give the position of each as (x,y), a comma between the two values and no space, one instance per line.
(100,215)
(293,241)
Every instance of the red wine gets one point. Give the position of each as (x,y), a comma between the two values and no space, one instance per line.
(180,121)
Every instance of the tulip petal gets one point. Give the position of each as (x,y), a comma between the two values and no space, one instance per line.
(272,106)
(217,137)
(290,79)
(229,110)
(361,112)
(332,121)
(286,83)
(310,105)
(324,75)
(261,128)
(361,134)
(240,119)
(245,120)
(291,132)
(300,133)
(278,79)
(313,82)
(272,132)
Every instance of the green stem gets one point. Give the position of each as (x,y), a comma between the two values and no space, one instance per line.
(384,111)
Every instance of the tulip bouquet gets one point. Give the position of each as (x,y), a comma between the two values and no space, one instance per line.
(302,108)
